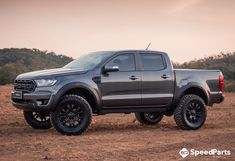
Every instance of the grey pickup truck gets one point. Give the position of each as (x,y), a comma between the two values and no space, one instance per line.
(139,81)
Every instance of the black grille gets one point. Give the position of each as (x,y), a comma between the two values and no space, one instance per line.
(24,85)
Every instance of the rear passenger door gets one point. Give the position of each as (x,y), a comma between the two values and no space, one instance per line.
(157,80)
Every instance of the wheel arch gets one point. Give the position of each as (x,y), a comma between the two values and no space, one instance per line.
(196,90)
(190,89)
(80,89)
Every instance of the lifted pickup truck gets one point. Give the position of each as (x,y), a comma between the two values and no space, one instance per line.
(139,81)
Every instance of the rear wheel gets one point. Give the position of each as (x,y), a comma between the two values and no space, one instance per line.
(72,116)
(149,118)
(38,120)
(190,114)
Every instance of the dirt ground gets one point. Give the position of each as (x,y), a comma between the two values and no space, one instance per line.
(116,137)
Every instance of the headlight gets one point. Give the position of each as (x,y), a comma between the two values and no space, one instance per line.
(45,82)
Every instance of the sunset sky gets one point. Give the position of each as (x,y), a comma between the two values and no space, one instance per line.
(186,29)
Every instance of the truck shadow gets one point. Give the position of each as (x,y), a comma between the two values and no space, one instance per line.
(129,127)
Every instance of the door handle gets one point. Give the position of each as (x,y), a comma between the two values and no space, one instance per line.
(133,77)
(164,76)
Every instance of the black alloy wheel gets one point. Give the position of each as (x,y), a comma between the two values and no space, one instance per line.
(190,114)
(72,116)
(194,113)
(149,118)
(38,120)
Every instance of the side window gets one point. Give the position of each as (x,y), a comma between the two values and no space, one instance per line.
(126,62)
(152,61)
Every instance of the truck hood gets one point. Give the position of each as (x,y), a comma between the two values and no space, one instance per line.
(49,73)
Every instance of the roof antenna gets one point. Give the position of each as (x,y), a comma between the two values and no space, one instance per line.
(148,46)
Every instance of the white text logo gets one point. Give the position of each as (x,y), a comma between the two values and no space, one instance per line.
(184,152)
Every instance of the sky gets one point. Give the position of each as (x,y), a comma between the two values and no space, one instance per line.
(185,29)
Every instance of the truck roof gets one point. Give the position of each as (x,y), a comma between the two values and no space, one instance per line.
(138,51)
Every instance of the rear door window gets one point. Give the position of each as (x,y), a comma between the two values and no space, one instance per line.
(152,61)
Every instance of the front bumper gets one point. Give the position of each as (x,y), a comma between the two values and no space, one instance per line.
(36,101)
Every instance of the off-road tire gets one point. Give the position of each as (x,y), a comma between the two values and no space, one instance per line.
(144,117)
(190,113)
(80,111)
(38,120)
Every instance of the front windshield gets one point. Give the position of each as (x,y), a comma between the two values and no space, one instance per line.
(88,61)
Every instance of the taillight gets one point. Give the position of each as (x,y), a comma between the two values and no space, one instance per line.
(221,83)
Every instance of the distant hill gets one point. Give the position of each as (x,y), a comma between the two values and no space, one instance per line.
(223,61)
(15,61)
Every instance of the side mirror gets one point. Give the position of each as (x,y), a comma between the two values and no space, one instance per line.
(111,68)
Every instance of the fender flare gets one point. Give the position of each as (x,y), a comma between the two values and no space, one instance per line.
(191,85)
(73,85)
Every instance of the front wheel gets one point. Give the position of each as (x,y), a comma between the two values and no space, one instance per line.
(38,120)
(190,114)
(72,116)
(149,118)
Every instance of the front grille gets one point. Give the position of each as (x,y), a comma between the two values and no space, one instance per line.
(24,85)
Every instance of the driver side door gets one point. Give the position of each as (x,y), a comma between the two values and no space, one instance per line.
(121,88)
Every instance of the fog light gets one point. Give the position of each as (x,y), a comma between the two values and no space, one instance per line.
(39,103)
(42,102)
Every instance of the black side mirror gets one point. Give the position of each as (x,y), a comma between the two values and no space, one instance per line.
(111,68)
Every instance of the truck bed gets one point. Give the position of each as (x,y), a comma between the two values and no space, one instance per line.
(208,79)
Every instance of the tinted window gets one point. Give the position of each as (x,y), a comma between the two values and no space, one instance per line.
(126,62)
(152,62)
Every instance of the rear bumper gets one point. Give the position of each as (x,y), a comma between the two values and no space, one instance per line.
(221,99)
(216,97)
(37,101)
